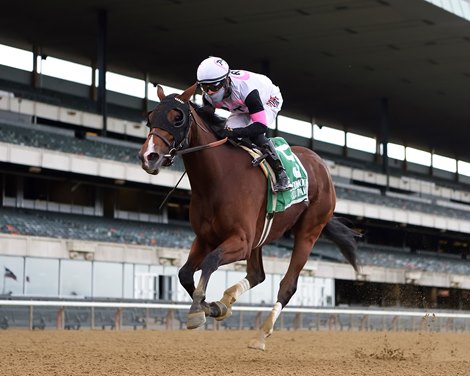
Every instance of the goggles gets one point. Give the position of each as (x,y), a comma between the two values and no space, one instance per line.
(213,87)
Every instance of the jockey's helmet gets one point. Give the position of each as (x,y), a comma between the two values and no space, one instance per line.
(212,73)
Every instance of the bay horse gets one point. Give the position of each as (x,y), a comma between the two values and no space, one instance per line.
(228,208)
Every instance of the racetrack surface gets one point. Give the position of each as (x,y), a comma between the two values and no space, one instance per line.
(207,352)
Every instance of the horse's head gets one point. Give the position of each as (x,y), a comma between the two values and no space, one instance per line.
(169,123)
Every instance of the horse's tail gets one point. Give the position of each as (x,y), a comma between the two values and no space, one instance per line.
(344,237)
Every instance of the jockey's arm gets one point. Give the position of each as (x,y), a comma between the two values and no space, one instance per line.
(255,108)
(252,130)
(257,116)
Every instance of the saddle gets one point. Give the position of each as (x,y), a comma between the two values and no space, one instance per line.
(279,201)
(246,143)
(257,158)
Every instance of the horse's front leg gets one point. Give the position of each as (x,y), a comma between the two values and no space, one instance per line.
(196,255)
(254,276)
(186,277)
(233,249)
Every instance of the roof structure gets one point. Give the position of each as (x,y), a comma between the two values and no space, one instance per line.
(333,59)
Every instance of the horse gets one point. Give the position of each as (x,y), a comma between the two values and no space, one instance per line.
(228,208)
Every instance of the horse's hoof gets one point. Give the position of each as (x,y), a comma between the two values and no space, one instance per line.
(206,308)
(196,319)
(222,312)
(257,345)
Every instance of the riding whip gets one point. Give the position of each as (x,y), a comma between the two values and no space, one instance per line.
(169,193)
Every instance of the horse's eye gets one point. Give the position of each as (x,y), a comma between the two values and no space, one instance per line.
(178,120)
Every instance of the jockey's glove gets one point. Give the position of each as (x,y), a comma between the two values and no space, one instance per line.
(251,130)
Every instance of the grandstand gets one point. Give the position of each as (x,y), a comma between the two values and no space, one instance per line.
(44,213)
(79,218)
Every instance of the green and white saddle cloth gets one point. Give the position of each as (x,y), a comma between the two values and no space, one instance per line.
(280,201)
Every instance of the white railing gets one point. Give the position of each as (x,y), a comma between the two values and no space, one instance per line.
(39,314)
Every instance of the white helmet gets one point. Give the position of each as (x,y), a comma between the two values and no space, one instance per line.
(212,70)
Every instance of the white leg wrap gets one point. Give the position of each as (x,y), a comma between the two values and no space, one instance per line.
(266,330)
(236,290)
(276,312)
(268,326)
(243,286)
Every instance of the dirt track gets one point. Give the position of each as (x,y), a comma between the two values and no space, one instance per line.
(219,353)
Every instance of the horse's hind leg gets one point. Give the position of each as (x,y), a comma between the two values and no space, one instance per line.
(254,276)
(302,247)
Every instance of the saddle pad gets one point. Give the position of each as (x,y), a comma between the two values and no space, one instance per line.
(297,175)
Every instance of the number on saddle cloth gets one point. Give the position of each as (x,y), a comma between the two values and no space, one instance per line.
(297,175)
(294,169)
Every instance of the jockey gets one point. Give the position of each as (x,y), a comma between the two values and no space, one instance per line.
(253,101)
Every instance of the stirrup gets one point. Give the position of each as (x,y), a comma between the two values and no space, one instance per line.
(256,162)
(282,188)
(287,186)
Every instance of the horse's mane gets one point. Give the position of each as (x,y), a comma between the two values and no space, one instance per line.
(207,114)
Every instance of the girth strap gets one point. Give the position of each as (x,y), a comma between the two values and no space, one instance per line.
(268,172)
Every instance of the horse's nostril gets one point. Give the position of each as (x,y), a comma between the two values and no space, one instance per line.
(152,156)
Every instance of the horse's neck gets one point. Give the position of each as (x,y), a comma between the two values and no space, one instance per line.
(203,167)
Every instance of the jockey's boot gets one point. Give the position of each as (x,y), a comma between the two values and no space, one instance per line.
(282,180)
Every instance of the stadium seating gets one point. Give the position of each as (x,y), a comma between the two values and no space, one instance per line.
(45,137)
(411,203)
(70,226)
(97,147)
(39,137)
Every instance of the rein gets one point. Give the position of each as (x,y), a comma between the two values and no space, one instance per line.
(180,151)
(214,144)
(202,147)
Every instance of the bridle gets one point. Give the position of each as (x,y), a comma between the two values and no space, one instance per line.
(179,129)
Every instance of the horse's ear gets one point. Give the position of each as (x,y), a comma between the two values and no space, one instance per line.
(160,92)
(188,93)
